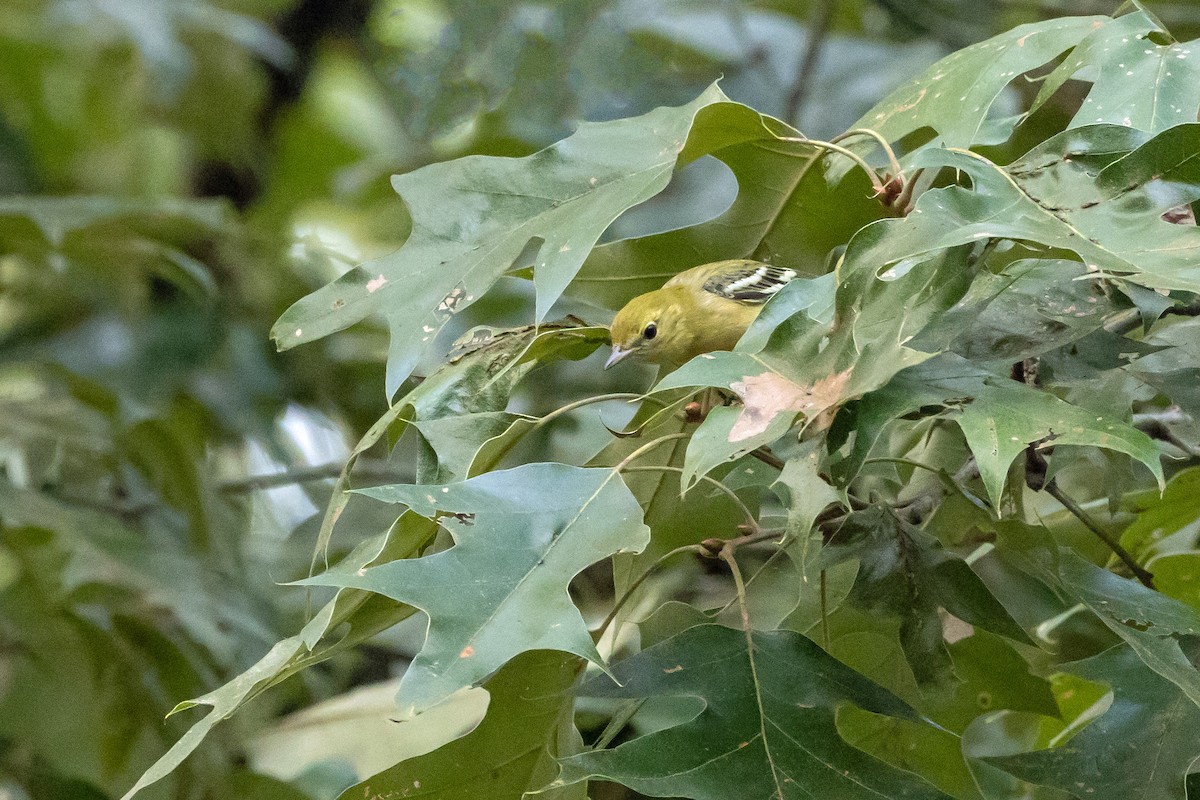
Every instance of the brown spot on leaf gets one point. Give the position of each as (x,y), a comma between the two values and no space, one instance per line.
(467,652)
(676,668)
(770,394)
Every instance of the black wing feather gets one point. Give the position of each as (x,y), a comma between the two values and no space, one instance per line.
(755,284)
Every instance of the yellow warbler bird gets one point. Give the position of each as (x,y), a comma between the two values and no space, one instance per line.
(702,309)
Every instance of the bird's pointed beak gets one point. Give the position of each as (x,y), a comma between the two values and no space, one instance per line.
(618,354)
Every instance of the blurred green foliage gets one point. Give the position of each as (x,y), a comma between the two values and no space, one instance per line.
(174,174)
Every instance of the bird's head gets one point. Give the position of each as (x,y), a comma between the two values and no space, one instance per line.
(648,328)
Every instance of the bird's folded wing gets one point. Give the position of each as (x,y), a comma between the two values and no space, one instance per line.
(754,284)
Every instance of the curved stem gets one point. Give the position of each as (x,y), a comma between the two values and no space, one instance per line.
(647,447)
(633,587)
(727,556)
(850,154)
(751,522)
(877,136)
(587,401)
(824,611)
(907,461)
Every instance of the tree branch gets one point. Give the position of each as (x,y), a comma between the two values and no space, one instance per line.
(817,30)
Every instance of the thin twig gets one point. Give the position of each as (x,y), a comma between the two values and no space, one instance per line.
(587,401)
(817,31)
(647,447)
(633,587)
(850,154)
(893,162)
(726,555)
(305,475)
(767,457)
(824,613)
(919,505)
(1052,488)
(618,722)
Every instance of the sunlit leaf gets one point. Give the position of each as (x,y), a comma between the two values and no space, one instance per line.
(497,759)
(1155,626)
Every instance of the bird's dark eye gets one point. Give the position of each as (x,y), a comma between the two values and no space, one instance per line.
(650,331)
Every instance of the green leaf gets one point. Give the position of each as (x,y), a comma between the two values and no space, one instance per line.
(806,493)
(953,97)
(1142,747)
(520,536)
(512,750)
(461,406)
(1098,191)
(675,518)
(994,675)
(1003,420)
(808,366)
(105,237)
(1032,307)
(487,363)
(1161,516)
(473,217)
(904,572)
(767,728)
(1137,82)
(932,753)
(785,212)
(1173,369)
(59,218)
(1151,623)
(946,380)
(1177,575)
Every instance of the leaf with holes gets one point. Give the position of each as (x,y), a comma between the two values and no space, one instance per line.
(1137,81)
(1099,191)
(474,216)
(1003,420)
(954,96)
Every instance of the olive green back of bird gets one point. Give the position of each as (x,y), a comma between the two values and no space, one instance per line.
(700,310)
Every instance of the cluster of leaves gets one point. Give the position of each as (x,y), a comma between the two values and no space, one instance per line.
(1003,356)
(173,175)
